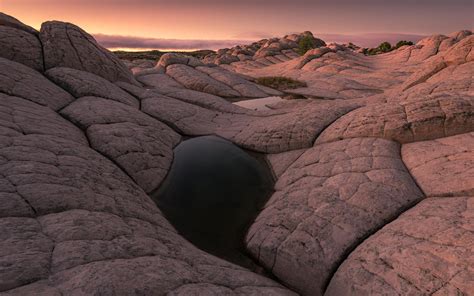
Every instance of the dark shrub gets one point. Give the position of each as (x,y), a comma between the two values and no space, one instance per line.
(385,47)
(306,43)
(403,43)
(280,83)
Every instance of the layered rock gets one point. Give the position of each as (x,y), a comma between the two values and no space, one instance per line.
(326,203)
(66,45)
(141,146)
(21,81)
(82,143)
(442,167)
(21,46)
(178,71)
(82,84)
(433,258)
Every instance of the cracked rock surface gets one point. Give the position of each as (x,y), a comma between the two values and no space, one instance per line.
(374,171)
(331,198)
(434,258)
(66,45)
(442,167)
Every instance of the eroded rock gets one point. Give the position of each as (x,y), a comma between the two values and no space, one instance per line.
(331,198)
(427,251)
(66,45)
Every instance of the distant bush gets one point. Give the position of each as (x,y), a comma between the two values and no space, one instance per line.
(403,43)
(280,82)
(306,43)
(156,54)
(385,47)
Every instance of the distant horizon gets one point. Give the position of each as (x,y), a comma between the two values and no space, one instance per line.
(213,24)
(132,43)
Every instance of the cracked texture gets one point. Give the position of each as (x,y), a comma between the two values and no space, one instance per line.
(21,81)
(139,144)
(22,47)
(326,203)
(72,222)
(66,45)
(429,250)
(443,167)
(83,84)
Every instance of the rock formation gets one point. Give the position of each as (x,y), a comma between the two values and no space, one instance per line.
(375,173)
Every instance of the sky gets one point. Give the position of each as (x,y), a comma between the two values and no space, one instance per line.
(193,24)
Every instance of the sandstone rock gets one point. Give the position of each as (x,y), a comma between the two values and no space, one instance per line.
(199,81)
(140,145)
(21,81)
(85,226)
(9,21)
(244,87)
(442,167)
(281,161)
(159,81)
(25,252)
(426,251)
(265,133)
(417,121)
(20,46)
(83,84)
(66,45)
(326,203)
(22,117)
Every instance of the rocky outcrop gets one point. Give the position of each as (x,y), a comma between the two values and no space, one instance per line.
(442,167)
(66,45)
(327,202)
(83,145)
(264,52)
(433,258)
(178,71)
(414,121)
(21,46)
(82,84)
(21,81)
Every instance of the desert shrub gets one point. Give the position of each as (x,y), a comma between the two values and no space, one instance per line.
(156,54)
(280,82)
(306,43)
(385,47)
(403,43)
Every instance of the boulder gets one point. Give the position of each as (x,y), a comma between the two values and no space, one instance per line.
(82,84)
(66,45)
(21,46)
(22,81)
(326,203)
(426,251)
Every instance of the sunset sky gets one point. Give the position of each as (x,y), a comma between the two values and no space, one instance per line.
(219,23)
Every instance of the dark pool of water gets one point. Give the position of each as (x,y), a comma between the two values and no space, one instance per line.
(212,193)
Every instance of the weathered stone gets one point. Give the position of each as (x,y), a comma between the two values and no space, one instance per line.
(326,203)
(9,21)
(20,46)
(426,251)
(82,84)
(66,45)
(140,145)
(199,81)
(443,167)
(21,81)
(414,121)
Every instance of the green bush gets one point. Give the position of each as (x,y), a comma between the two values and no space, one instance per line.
(306,43)
(385,47)
(403,43)
(280,82)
